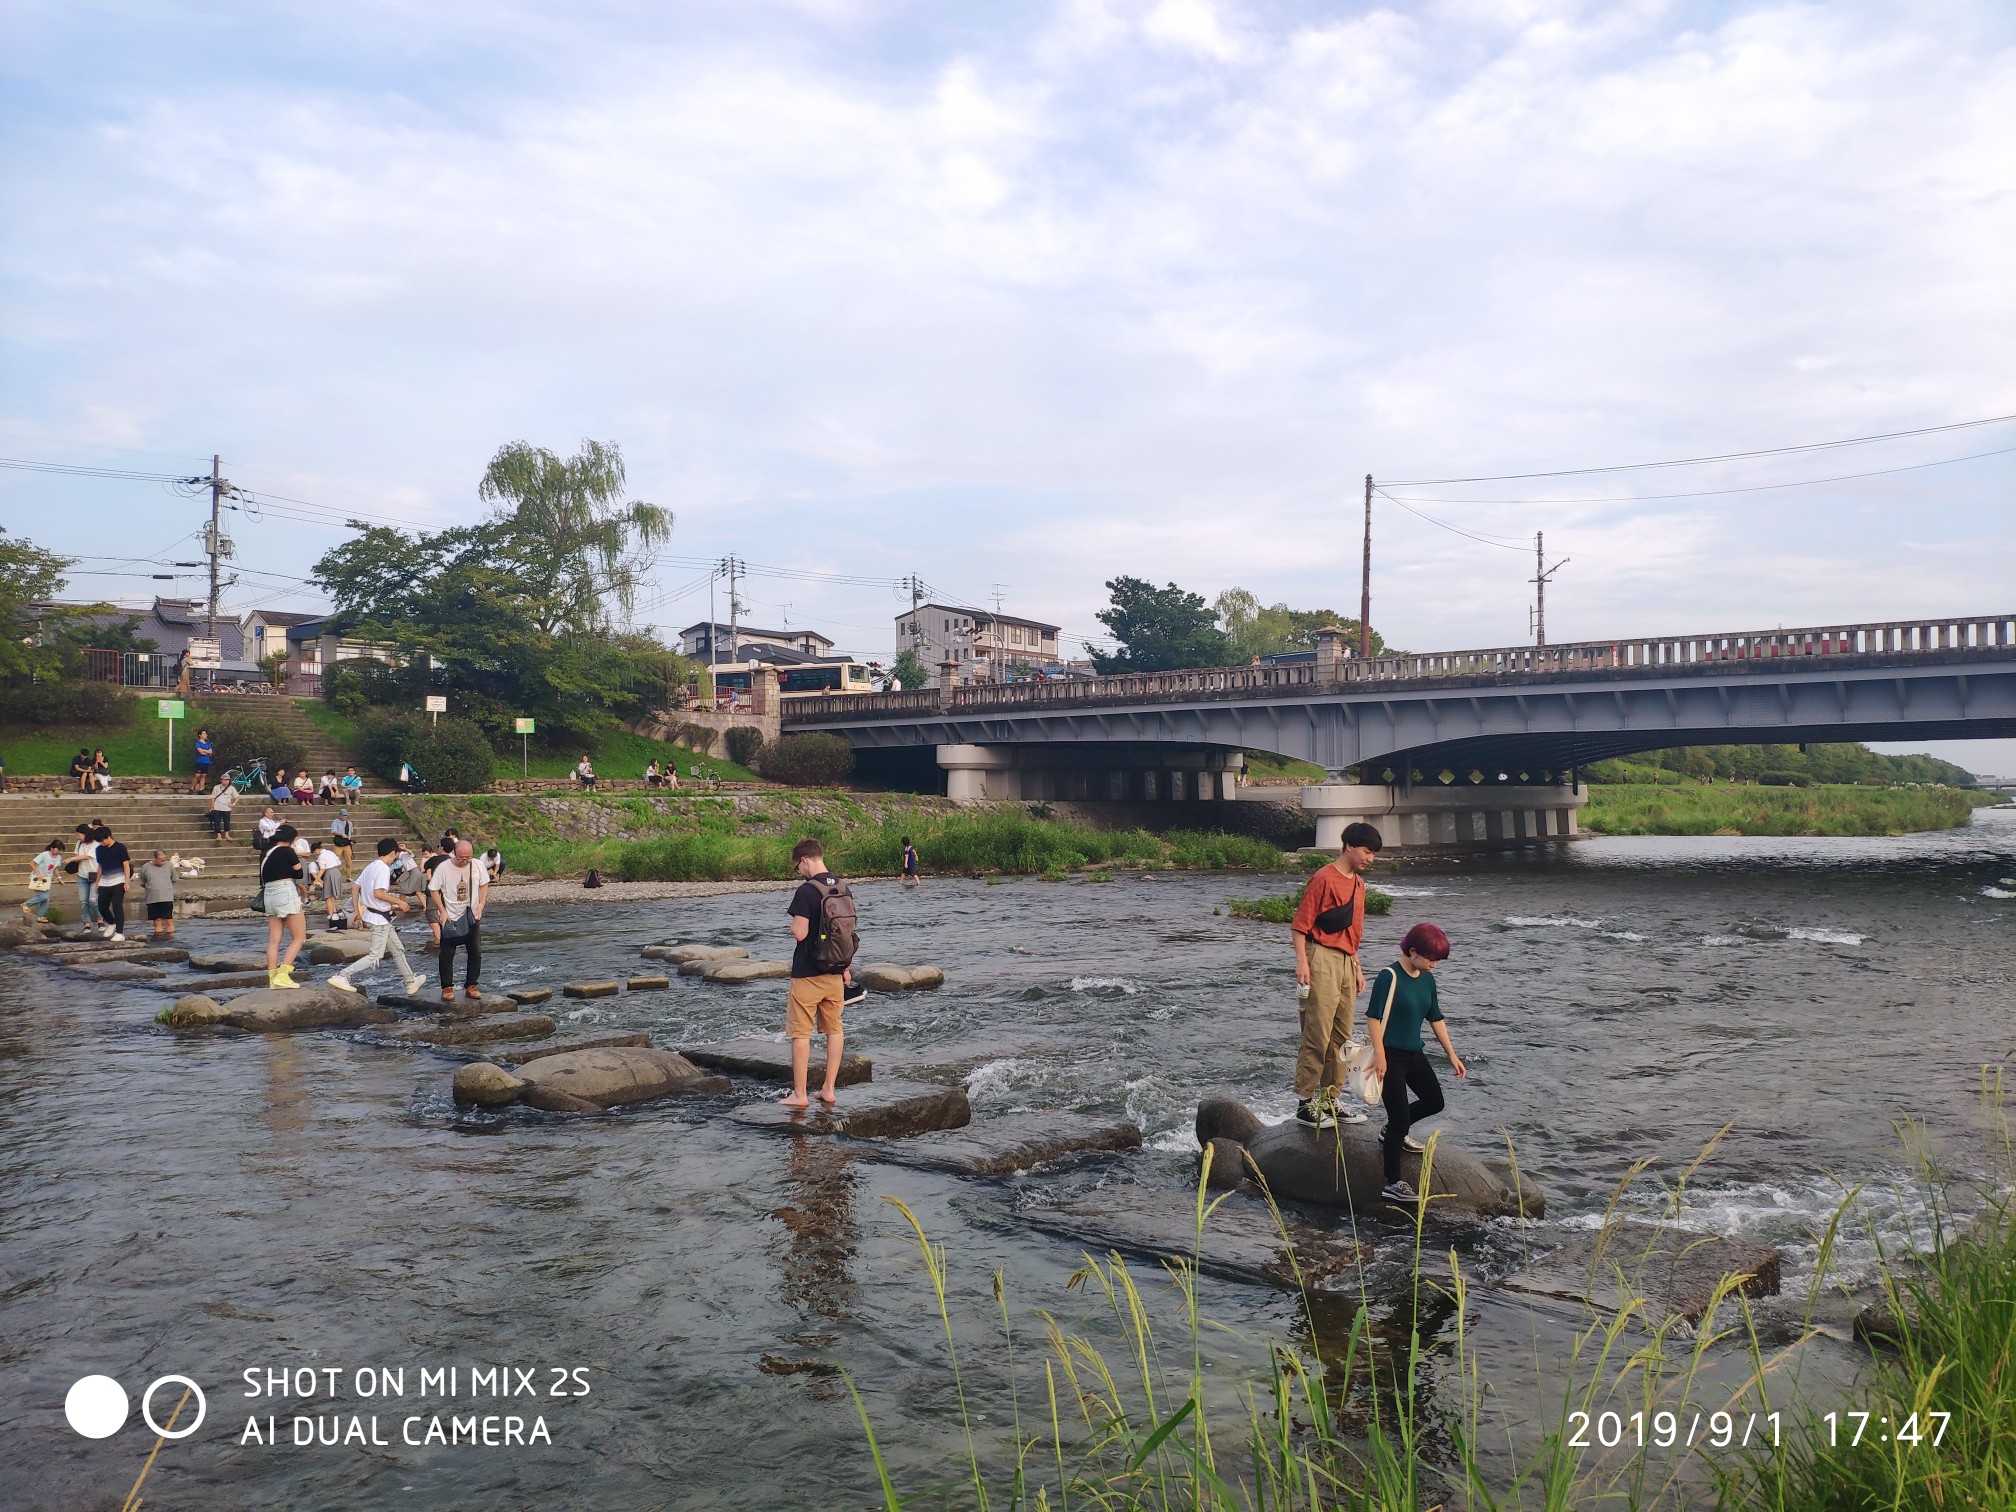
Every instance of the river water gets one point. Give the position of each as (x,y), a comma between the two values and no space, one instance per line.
(207,1205)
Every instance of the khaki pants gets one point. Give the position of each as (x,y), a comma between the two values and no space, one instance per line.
(1335,981)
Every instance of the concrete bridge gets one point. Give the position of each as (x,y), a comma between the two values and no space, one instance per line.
(1420,727)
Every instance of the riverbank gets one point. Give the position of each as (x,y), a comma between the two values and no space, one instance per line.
(748,836)
(1748,809)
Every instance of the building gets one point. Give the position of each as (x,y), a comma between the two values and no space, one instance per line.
(989,646)
(267,631)
(699,641)
(798,672)
(310,642)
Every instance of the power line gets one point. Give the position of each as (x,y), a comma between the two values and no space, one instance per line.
(1769,451)
(1444,524)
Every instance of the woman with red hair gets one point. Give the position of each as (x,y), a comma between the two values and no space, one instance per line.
(1403,999)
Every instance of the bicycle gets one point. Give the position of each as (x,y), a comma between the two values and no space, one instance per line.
(250,778)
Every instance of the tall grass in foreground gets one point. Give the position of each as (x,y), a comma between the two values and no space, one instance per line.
(959,844)
(1358,1427)
(1749,810)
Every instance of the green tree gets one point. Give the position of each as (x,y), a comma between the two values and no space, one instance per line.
(1159,629)
(1256,629)
(29,577)
(909,671)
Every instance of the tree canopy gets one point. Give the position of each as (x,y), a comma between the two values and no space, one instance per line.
(29,576)
(1255,629)
(1159,629)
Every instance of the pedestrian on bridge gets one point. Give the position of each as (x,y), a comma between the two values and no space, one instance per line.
(1328,926)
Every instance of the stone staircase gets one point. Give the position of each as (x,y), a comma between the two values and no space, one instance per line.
(323,753)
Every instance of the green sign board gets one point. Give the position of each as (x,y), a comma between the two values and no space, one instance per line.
(522,726)
(169,708)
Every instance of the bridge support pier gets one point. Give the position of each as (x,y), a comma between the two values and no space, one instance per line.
(977,773)
(1454,815)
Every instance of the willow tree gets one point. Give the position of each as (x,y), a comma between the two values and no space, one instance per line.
(574,543)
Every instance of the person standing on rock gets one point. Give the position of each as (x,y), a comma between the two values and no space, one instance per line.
(280,876)
(461,883)
(1403,999)
(84,862)
(1328,926)
(328,871)
(822,922)
(115,870)
(157,890)
(374,900)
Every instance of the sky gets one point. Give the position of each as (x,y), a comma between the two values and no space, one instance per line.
(1017,298)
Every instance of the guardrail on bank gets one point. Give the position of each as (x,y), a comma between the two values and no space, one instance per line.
(1890,639)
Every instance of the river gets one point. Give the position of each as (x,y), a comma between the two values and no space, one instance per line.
(206,1205)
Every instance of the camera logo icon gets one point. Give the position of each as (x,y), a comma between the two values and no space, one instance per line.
(97,1406)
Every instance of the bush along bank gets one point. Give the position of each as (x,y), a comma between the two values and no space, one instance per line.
(1840,811)
(1280,909)
(748,836)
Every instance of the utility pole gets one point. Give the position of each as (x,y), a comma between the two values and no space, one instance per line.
(210,541)
(1365,590)
(1541,572)
(732,565)
(1000,641)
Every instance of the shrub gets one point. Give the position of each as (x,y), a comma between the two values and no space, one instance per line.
(452,756)
(239,735)
(808,760)
(1782,779)
(358,683)
(62,701)
(744,743)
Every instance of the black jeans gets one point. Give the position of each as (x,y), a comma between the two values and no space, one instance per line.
(112,906)
(1406,1070)
(473,943)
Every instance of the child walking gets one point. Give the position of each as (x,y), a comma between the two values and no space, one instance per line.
(1403,999)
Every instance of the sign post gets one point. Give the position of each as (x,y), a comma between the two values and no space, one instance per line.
(170,709)
(437,705)
(524,727)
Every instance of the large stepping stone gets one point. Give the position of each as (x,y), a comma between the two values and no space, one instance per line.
(1016,1142)
(525,997)
(460,1007)
(584,1081)
(649,983)
(770,1060)
(217,981)
(227,960)
(872,1110)
(886,976)
(1241,1241)
(337,949)
(17,933)
(1674,1270)
(736,971)
(591,989)
(635,1038)
(272,1009)
(120,971)
(1343,1167)
(679,955)
(475,1031)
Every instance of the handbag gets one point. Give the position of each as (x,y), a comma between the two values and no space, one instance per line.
(1367,1083)
(456,929)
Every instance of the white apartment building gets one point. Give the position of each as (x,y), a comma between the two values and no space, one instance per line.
(988,646)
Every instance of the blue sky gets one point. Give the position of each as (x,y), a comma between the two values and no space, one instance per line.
(1032,295)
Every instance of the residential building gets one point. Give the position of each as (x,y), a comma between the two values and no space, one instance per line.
(310,642)
(797,671)
(700,641)
(989,646)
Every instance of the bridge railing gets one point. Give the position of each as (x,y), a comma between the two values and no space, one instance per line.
(1896,638)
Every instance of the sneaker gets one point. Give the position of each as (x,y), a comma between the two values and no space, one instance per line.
(1310,1116)
(414,984)
(115,935)
(1399,1191)
(1351,1115)
(284,977)
(341,983)
(1409,1142)
(104,931)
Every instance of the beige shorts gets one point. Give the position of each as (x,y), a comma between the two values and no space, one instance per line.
(814,1001)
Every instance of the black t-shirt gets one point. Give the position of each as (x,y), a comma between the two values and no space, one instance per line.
(113,859)
(79,765)
(281,865)
(808,904)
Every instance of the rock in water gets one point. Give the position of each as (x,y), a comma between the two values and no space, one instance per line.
(525,997)
(307,1007)
(482,1085)
(1012,1142)
(120,971)
(649,983)
(569,1046)
(192,1012)
(476,1031)
(17,932)
(591,989)
(337,949)
(612,1077)
(739,971)
(679,955)
(1675,1271)
(1342,1167)
(878,1110)
(770,1060)
(229,960)
(886,976)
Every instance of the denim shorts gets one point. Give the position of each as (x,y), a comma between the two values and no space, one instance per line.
(281,899)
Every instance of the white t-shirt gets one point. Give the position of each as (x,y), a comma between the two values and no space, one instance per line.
(374,879)
(327,860)
(267,826)
(87,858)
(457,884)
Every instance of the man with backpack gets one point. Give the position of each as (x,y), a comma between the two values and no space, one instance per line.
(822,922)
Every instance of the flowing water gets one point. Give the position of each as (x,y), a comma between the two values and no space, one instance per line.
(208,1205)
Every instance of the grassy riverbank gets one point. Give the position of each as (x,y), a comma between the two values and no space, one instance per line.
(1639,809)
(1280,908)
(748,836)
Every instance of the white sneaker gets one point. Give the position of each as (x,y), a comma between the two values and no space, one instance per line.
(104,931)
(115,935)
(341,984)
(414,984)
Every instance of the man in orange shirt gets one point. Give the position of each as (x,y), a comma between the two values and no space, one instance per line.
(1328,925)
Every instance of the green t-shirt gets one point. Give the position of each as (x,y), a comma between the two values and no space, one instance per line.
(1414,1004)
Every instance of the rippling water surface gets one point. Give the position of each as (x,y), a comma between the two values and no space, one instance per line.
(205,1204)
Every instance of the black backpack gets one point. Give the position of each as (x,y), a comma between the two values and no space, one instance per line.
(838,939)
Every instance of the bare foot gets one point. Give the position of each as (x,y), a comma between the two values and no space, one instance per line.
(827,1097)
(794,1102)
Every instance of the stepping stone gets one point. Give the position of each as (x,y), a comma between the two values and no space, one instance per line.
(877,1110)
(649,983)
(271,1009)
(1016,1142)
(218,981)
(591,989)
(100,957)
(585,1081)
(337,949)
(1675,1270)
(120,971)
(209,960)
(736,971)
(885,976)
(770,1060)
(1240,1242)
(525,997)
(565,1047)
(460,1007)
(164,955)
(679,955)
(473,1031)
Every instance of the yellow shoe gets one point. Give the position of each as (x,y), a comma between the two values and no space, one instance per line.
(284,977)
